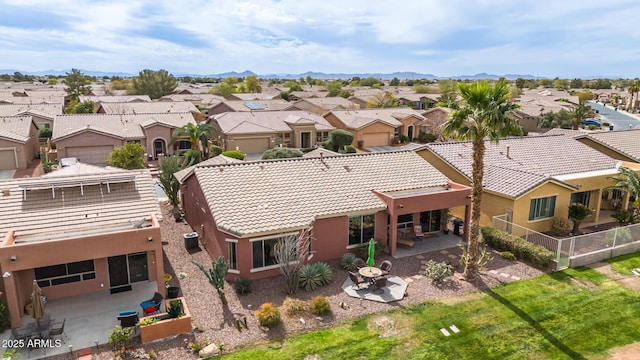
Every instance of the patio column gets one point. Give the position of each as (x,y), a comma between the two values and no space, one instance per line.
(13,303)
(393,234)
(596,214)
(467,219)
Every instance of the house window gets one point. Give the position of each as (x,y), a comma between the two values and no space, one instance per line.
(65,273)
(542,208)
(44,126)
(263,254)
(286,139)
(581,198)
(183,146)
(233,255)
(361,228)
(322,136)
(133,141)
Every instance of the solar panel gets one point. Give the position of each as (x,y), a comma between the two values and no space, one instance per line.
(253,106)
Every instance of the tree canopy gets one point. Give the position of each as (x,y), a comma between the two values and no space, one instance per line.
(129,156)
(385,100)
(156,84)
(77,84)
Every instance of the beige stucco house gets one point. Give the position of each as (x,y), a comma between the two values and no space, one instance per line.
(18,142)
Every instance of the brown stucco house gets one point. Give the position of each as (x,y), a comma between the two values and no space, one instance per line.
(255,132)
(43,114)
(154,107)
(91,137)
(246,106)
(619,144)
(18,142)
(240,210)
(321,105)
(376,127)
(78,234)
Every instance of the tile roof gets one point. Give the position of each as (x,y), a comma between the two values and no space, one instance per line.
(16,109)
(207,99)
(253,96)
(149,107)
(266,105)
(330,103)
(273,196)
(357,119)
(115,98)
(530,161)
(626,142)
(320,152)
(125,126)
(216,160)
(267,121)
(16,127)
(131,196)
(29,100)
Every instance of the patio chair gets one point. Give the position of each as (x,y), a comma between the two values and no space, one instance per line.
(379,285)
(360,263)
(152,305)
(418,235)
(385,266)
(357,280)
(128,318)
(57,329)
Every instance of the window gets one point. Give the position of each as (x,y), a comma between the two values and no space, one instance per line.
(183,146)
(263,252)
(581,198)
(233,255)
(542,208)
(133,141)
(322,136)
(65,273)
(361,229)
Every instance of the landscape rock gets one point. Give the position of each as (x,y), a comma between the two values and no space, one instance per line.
(209,351)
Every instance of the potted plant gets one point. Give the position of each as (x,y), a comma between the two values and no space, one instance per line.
(445,216)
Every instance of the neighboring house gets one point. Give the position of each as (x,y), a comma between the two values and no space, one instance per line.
(530,179)
(619,144)
(115,98)
(26,100)
(18,142)
(376,127)
(241,210)
(43,114)
(247,106)
(418,101)
(78,234)
(320,152)
(253,96)
(186,89)
(199,100)
(321,105)
(91,137)
(155,107)
(255,132)
(436,117)
(297,95)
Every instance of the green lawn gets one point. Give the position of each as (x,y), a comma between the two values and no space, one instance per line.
(573,314)
(625,263)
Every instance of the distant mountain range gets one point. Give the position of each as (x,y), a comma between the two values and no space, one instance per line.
(404,75)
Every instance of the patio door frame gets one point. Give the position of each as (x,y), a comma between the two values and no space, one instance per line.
(119,270)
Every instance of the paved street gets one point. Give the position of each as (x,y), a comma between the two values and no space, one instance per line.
(619,119)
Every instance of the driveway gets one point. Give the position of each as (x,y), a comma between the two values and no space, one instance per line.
(7,174)
(619,119)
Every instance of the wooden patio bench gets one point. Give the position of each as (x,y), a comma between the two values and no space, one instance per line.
(407,243)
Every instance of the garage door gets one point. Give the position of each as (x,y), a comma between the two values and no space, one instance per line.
(375,139)
(90,154)
(253,145)
(7,160)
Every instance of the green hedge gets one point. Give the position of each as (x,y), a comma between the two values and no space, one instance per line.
(530,253)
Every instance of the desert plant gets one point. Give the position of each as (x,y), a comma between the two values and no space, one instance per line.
(216,275)
(268,315)
(295,307)
(438,271)
(215,150)
(290,253)
(242,285)
(10,354)
(577,213)
(120,339)
(508,255)
(196,346)
(483,257)
(348,261)
(320,305)
(314,275)
(5,323)
(148,321)
(560,226)
(623,216)
(175,309)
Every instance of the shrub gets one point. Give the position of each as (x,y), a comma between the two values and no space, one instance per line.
(236,154)
(360,144)
(294,307)
(268,315)
(4,316)
(508,255)
(192,156)
(120,339)
(196,346)
(363,250)
(605,124)
(348,261)
(281,153)
(320,305)
(241,285)
(215,150)
(44,133)
(148,321)
(314,275)
(438,271)
(560,227)
(175,309)
(328,145)
(340,138)
(623,216)
(593,127)
(350,149)
(530,253)
(426,138)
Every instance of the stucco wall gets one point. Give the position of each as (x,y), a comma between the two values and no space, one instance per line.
(86,138)
(154,133)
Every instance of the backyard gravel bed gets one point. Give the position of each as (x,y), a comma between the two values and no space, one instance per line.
(216,323)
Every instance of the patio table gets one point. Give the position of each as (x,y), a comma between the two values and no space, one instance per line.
(370,272)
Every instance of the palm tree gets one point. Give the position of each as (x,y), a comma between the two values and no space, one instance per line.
(633,88)
(579,113)
(482,115)
(198,135)
(629,181)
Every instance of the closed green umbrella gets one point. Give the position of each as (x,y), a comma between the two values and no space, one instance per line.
(372,252)
(36,301)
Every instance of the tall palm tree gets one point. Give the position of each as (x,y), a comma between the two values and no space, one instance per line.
(633,89)
(198,134)
(579,113)
(482,115)
(629,181)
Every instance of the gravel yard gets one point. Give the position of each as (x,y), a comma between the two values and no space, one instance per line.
(215,322)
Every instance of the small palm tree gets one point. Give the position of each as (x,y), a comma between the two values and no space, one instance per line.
(482,115)
(577,213)
(198,134)
(579,113)
(629,181)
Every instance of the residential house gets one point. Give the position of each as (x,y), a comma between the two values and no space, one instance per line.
(435,118)
(247,106)
(297,95)
(253,96)
(202,101)
(43,114)
(155,107)
(418,101)
(530,179)
(376,127)
(621,145)
(18,142)
(27,100)
(321,105)
(241,210)
(77,234)
(91,137)
(255,132)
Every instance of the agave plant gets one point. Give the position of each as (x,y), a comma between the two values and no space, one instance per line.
(314,275)
(348,261)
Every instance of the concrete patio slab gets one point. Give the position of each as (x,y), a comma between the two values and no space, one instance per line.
(437,241)
(394,291)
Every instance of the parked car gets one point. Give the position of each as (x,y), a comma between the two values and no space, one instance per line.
(590,121)
(64,162)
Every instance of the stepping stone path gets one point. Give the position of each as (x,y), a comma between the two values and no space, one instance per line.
(408,280)
(446,332)
(444,252)
(420,257)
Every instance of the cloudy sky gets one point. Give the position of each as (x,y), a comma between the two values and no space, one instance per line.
(445,38)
